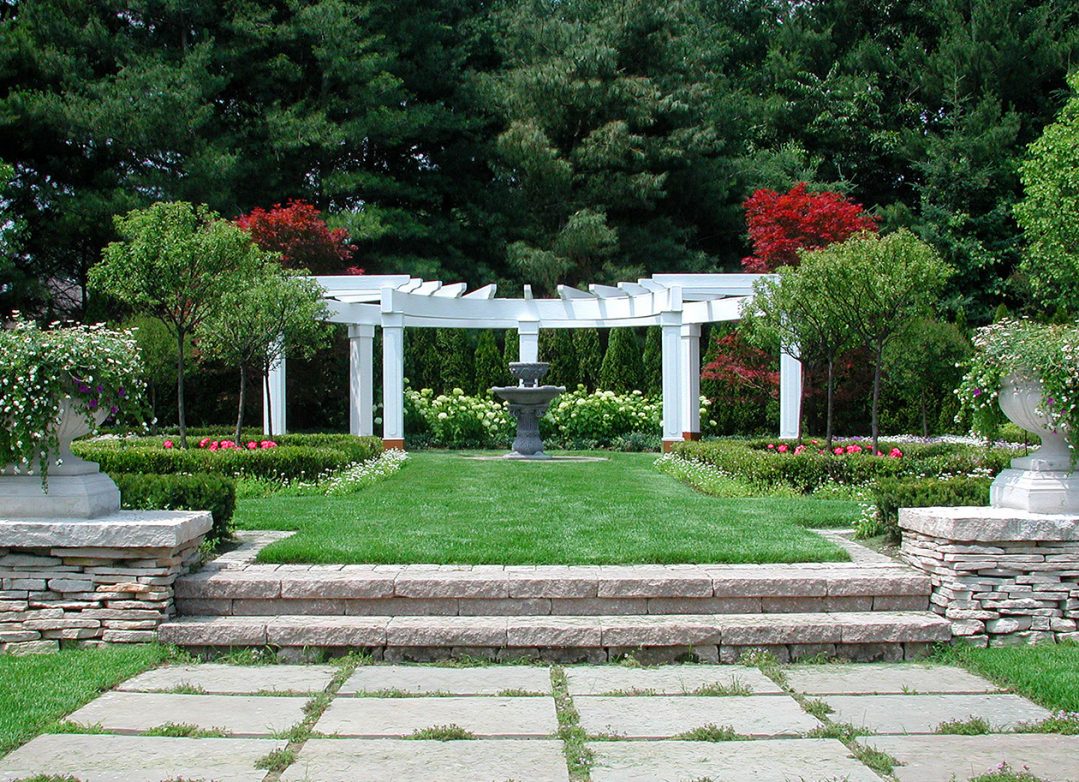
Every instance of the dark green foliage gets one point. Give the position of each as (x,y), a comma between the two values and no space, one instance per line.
(511,347)
(921,373)
(557,348)
(889,495)
(296,457)
(197,491)
(491,370)
(622,369)
(653,362)
(753,461)
(456,356)
(589,357)
(423,362)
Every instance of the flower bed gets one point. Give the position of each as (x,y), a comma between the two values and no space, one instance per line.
(812,468)
(457,420)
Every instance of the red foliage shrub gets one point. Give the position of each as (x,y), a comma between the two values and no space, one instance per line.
(781,224)
(299,233)
(742,366)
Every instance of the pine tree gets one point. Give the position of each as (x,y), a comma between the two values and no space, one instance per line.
(455,352)
(589,357)
(511,348)
(622,369)
(557,348)
(490,368)
(423,362)
(653,361)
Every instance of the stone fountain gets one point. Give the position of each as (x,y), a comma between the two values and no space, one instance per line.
(528,402)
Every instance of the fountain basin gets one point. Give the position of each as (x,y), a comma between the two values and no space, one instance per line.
(528,401)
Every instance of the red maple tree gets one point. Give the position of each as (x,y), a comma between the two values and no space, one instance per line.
(739,365)
(298,232)
(780,224)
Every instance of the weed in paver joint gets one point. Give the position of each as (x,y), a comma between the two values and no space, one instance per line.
(48,778)
(64,726)
(277,760)
(878,761)
(512,693)
(1005,773)
(393,692)
(974,726)
(631,692)
(817,708)
(186,688)
(442,733)
(574,746)
(715,689)
(174,730)
(766,662)
(1064,722)
(250,656)
(843,731)
(711,732)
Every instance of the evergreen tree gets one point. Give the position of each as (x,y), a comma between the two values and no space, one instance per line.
(557,348)
(622,369)
(423,361)
(511,348)
(653,361)
(456,356)
(490,368)
(589,357)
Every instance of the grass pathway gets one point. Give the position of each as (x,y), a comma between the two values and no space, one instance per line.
(444,508)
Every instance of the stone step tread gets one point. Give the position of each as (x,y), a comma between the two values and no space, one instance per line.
(359,582)
(558,631)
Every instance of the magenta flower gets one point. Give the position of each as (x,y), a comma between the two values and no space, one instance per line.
(168,443)
(783,449)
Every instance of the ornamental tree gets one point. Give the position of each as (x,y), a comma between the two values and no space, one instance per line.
(301,237)
(876,286)
(176,261)
(255,326)
(622,367)
(1049,211)
(781,224)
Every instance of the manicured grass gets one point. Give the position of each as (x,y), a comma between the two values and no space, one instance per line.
(1046,673)
(444,508)
(37,690)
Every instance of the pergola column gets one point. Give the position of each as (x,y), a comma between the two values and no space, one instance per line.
(790,395)
(690,365)
(528,341)
(673,378)
(361,379)
(273,398)
(393,381)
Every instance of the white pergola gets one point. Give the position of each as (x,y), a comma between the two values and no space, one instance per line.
(678,303)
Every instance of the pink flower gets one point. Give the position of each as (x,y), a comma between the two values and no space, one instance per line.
(213,446)
(783,449)
(854,449)
(226,444)
(838,450)
(252,445)
(771,447)
(799,449)
(268,444)
(205,441)
(167,443)
(814,442)
(895,453)
(880,453)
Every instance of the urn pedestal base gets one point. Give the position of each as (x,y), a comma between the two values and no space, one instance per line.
(81,496)
(1036,491)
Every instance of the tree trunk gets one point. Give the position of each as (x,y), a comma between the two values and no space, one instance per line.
(153,406)
(925,418)
(830,395)
(180,387)
(876,395)
(266,401)
(240,407)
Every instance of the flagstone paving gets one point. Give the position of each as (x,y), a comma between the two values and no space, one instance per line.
(361,727)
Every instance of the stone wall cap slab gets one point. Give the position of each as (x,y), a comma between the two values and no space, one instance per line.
(124,529)
(989,524)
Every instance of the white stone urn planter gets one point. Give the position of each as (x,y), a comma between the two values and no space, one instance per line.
(1045,480)
(76,488)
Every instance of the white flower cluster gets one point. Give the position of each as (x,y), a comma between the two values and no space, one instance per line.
(457,419)
(603,415)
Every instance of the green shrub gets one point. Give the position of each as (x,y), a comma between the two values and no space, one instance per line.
(600,416)
(889,495)
(456,420)
(810,468)
(296,457)
(199,491)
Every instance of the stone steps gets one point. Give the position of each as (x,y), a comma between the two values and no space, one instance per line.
(710,637)
(422,590)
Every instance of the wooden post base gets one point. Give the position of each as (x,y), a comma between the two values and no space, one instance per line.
(393,445)
(691,436)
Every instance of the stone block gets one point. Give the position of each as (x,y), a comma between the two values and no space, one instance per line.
(124,529)
(482,716)
(442,585)
(596,606)
(336,584)
(214,631)
(654,582)
(504,607)
(552,582)
(554,631)
(30,647)
(18,635)
(128,636)
(672,630)
(446,631)
(321,631)
(401,606)
(704,605)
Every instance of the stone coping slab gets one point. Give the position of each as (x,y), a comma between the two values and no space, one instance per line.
(666,680)
(662,716)
(104,758)
(384,760)
(924,713)
(453,681)
(785,760)
(236,715)
(482,716)
(959,758)
(988,524)
(885,678)
(234,679)
(123,529)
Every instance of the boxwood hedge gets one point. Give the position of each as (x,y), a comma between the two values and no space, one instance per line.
(198,491)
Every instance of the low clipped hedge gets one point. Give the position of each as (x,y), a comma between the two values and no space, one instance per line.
(753,461)
(199,491)
(296,457)
(889,495)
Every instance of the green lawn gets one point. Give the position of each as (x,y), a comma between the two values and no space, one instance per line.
(444,508)
(39,689)
(1046,673)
